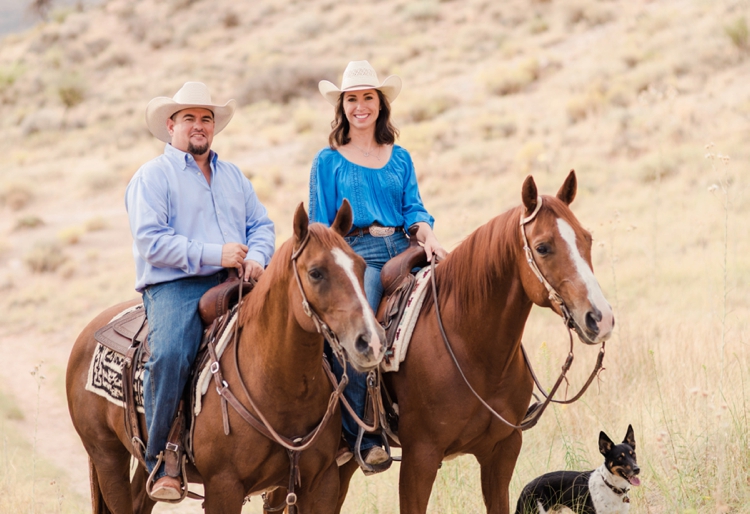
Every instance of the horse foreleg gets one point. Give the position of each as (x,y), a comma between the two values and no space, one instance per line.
(141,501)
(497,470)
(224,494)
(346,472)
(419,465)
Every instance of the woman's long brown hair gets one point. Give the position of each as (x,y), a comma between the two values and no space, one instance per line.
(385,132)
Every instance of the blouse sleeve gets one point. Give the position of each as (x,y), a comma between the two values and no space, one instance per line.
(322,191)
(412,207)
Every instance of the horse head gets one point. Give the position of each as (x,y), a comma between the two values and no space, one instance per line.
(560,249)
(330,289)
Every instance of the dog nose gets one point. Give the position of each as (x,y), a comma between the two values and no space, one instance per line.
(636,470)
(592,320)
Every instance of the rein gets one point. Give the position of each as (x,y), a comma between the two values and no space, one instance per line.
(536,411)
(295,446)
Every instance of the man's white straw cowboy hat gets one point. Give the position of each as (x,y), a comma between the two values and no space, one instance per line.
(191,95)
(360,75)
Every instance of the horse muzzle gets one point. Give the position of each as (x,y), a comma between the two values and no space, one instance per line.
(594,326)
(368,349)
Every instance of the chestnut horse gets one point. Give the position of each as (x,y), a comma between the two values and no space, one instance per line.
(486,288)
(280,357)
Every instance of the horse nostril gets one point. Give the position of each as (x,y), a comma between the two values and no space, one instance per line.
(592,321)
(361,345)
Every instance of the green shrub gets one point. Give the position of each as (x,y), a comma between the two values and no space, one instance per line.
(739,34)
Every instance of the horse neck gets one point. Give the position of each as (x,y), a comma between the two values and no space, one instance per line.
(481,285)
(273,346)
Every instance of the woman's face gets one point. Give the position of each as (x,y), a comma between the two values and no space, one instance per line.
(361,108)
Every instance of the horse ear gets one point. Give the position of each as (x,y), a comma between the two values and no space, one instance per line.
(301,222)
(605,443)
(529,194)
(630,437)
(567,192)
(344,218)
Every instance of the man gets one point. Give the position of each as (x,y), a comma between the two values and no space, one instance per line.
(191,216)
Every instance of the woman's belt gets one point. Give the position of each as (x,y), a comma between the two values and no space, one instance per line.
(373,230)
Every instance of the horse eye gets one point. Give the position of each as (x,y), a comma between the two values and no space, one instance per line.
(542,249)
(315,274)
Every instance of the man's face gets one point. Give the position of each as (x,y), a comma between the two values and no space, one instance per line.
(192,130)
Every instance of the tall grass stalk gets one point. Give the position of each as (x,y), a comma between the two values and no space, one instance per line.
(722,188)
(37,374)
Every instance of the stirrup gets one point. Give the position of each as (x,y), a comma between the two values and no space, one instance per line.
(369,469)
(151,479)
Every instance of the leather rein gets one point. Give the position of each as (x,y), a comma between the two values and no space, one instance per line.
(532,417)
(295,446)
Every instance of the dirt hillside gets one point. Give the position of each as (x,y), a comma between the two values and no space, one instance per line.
(629,93)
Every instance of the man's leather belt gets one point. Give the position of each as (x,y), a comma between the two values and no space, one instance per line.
(373,230)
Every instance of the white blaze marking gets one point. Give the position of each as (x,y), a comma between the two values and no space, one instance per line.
(595,295)
(347,264)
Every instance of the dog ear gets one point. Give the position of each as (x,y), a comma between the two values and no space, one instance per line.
(605,443)
(630,437)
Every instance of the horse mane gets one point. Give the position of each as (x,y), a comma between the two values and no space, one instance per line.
(468,273)
(280,270)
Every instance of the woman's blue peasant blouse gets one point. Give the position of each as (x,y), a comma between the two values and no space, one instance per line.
(388,195)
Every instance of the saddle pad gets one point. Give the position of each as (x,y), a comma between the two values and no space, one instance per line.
(105,371)
(408,321)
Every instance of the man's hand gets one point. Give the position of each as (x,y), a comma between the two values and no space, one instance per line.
(233,255)
(253,269)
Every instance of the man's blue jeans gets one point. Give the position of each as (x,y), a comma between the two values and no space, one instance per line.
(174,335)
(376,251)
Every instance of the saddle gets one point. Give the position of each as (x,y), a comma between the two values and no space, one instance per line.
(398,282)
(128,336)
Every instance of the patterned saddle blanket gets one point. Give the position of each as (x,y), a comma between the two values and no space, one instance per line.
(105,370)
(400,337)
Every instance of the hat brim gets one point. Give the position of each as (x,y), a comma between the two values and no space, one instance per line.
(161,108)
(390,87)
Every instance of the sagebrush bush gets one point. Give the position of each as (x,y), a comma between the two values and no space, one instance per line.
(45,257)
(16,195)
(282,83)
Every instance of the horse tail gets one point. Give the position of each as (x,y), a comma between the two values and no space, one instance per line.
(97,498)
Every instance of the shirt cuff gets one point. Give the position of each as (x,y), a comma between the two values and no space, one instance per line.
(257,257)
(211,254)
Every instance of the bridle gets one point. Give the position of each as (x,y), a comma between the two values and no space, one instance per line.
(295,446)
(535,411)
(552,294)
(320,325)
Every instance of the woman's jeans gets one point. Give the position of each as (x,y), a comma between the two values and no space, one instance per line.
(376,251)
(174,335)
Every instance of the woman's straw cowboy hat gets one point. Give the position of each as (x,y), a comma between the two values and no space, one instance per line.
(360,75)
(191,95)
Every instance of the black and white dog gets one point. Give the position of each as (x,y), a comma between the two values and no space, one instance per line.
(601,491)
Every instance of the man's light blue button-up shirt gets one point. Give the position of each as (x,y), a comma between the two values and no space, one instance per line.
(180,222)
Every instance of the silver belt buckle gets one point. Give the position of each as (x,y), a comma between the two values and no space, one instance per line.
(376,231)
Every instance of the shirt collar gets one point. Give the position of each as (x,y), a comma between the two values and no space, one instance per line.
(183,158)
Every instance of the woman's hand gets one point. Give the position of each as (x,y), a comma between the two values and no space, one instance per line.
(426,236)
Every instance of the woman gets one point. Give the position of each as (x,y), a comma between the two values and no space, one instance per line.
(363,165)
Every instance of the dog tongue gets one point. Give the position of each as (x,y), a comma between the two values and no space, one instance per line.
(634,481)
